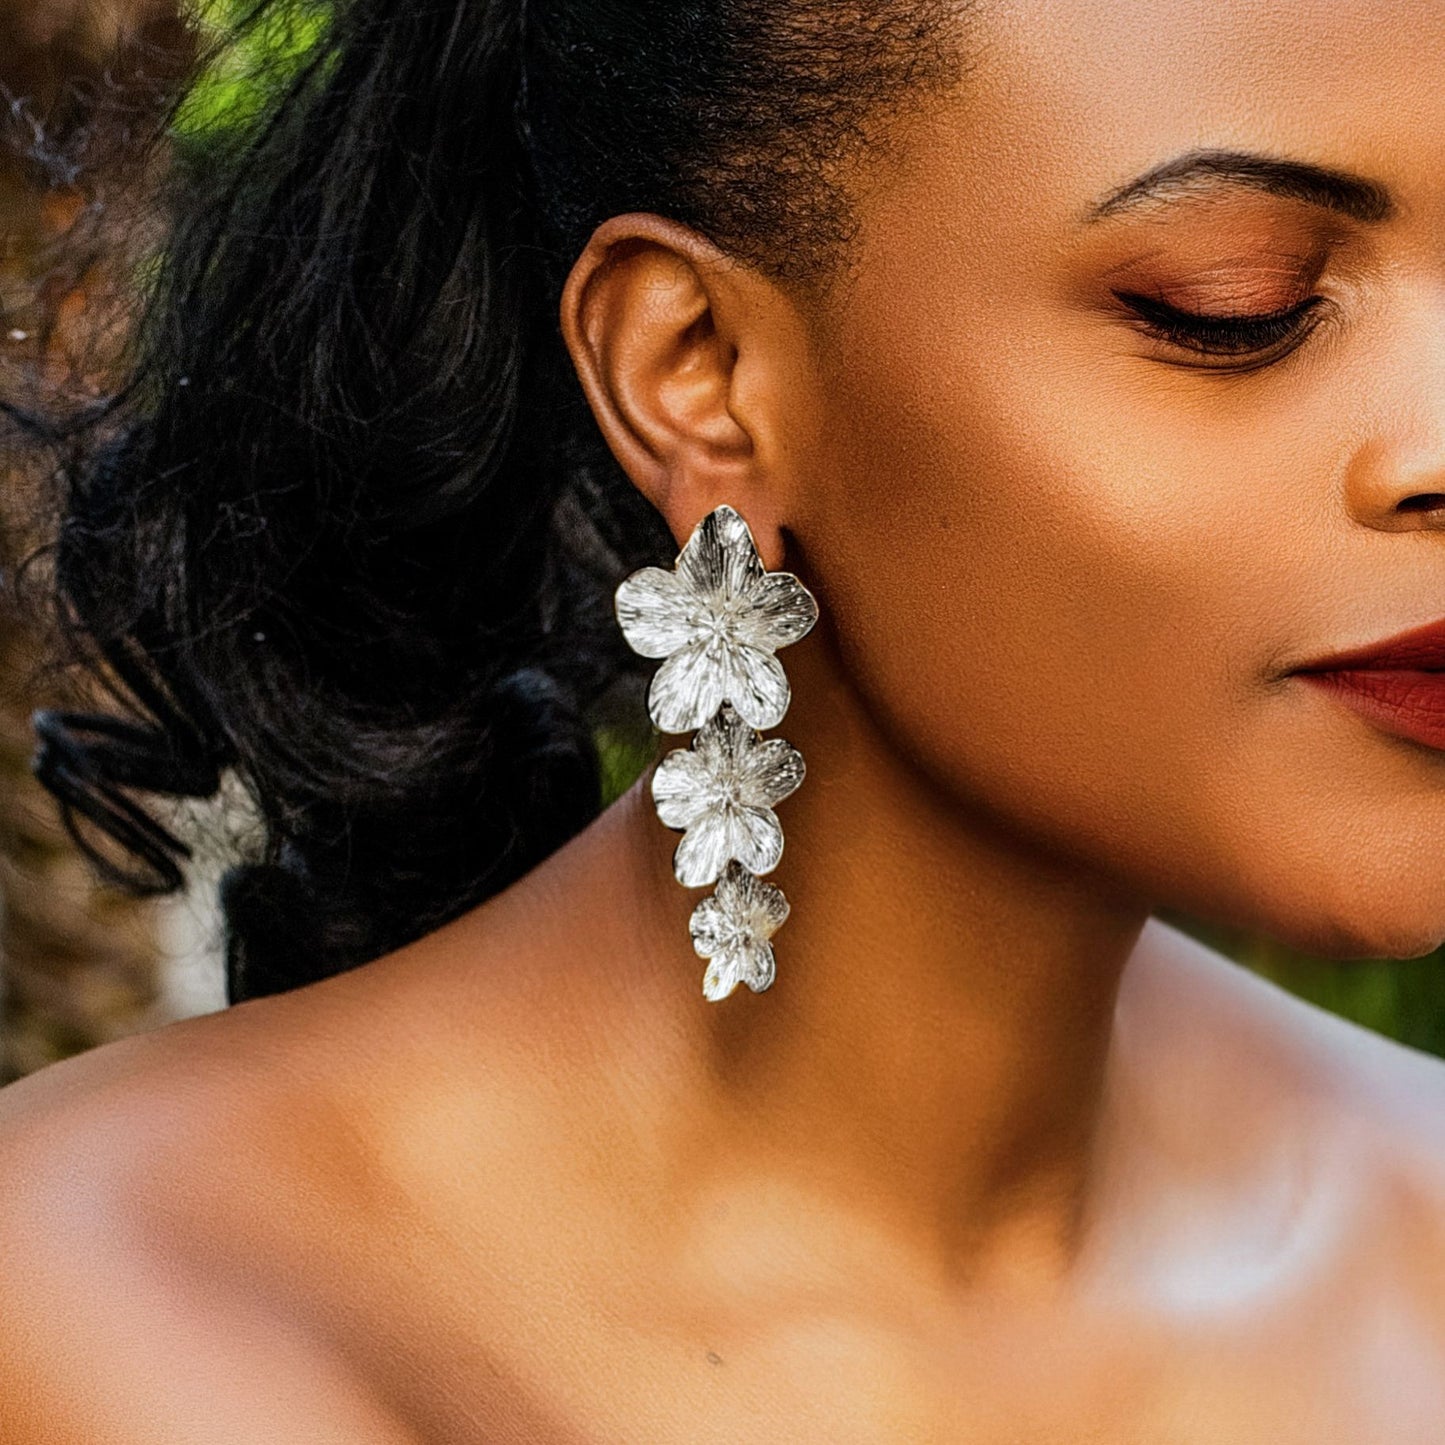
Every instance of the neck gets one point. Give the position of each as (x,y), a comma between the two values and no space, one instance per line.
(935,1045)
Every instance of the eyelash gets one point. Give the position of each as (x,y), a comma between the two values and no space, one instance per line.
(1223,335)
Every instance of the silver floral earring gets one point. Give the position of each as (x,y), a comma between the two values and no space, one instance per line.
(718,618)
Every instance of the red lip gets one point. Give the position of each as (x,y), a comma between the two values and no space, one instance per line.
(1397,684)
(1422,649)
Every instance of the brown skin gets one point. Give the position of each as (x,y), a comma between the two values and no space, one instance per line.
(998,1158)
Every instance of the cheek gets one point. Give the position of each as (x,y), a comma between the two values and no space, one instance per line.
(1069,602)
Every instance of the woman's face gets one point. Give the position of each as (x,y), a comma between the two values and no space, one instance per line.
(1072,559)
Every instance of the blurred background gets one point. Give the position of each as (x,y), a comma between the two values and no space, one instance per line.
(81,963)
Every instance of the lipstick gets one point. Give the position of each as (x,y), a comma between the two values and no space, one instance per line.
(1398,684)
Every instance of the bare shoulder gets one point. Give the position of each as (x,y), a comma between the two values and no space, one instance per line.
(151,1109)
(323,1192)
(139,1179)
(265,1122)
(1213,1008)
(1242,1059)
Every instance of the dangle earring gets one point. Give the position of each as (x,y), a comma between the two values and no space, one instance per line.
(718,618)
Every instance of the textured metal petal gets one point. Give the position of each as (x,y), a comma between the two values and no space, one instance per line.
(723,975)
(712,928)
(754,838)
(683,788)
(702,854)
(759,968)
(729,894)
(768,772)
(769,911)
(722,742)
(720,561)
(688,688)
(736,739)
(756,685)
(654,612)
(779,611)
(757,909)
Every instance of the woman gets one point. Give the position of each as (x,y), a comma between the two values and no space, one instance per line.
(1085,364)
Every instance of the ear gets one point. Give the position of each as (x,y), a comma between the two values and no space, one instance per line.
(671,344)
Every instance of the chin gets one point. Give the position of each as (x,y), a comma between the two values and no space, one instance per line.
(1392,923)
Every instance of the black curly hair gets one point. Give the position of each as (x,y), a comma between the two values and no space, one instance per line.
(348,532)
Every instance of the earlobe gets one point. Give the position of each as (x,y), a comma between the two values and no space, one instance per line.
(640,314)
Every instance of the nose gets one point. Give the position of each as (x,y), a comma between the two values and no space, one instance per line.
(1395,481)
(1396,485)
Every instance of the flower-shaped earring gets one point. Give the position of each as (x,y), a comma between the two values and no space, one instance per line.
(732,928)
(721,791)
(718,617)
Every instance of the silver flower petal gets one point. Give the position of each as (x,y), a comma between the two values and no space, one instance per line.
(655,612)
(755,683)
(702,854)
(759,967)
(721,559)
(755,837)
(688,688)
(723,975)
(770,771)
(760,908)
(712,928)
(683,788)
(752,964)
(724,742)
(780,611)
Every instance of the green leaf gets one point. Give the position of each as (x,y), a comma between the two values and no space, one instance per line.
(254,51)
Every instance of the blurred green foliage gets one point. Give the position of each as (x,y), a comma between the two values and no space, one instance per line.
(251,51)
(623,757)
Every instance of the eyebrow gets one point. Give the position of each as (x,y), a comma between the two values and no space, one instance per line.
(1204,170)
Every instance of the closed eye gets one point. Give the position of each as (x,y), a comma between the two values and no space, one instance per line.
(1224,335)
